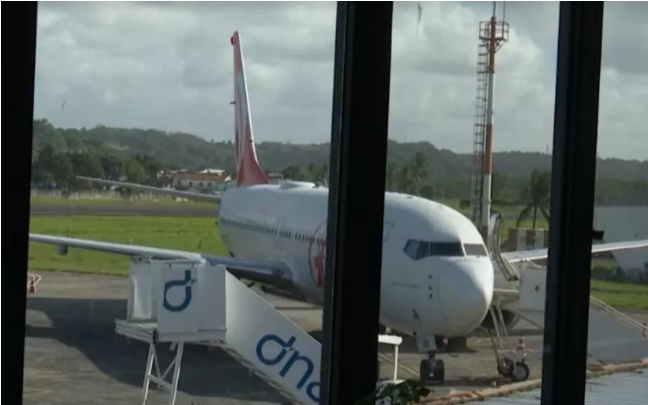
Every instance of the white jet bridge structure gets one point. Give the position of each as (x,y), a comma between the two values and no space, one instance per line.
(614,337)
(177,302)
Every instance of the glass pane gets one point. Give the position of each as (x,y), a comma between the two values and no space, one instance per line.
(153,94)
(447,249)
(619,282)
(412,248)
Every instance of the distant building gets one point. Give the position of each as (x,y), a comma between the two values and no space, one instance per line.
(275,177)
(212,171)
(200,180)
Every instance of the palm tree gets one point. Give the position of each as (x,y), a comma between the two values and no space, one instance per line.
(537,195)
(419,168)
(390,177)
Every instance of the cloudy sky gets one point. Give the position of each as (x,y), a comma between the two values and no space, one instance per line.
(169,66)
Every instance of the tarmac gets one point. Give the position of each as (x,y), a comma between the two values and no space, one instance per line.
(73,355)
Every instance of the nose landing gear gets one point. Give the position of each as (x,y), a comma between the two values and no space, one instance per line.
(431,370)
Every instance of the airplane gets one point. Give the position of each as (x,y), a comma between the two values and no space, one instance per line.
(437,276)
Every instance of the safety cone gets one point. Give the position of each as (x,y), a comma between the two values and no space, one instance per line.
(520,346)
(32,285)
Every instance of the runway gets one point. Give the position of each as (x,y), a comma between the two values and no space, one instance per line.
(162,210)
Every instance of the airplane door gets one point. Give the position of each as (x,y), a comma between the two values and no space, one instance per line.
(279,238)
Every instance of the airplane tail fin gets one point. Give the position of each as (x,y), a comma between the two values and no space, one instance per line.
(249,171)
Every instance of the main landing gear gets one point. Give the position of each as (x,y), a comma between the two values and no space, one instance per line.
(431,370)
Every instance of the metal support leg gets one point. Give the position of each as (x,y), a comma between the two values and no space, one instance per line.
(160,378)
(395,362)
(147,372)
(176,373)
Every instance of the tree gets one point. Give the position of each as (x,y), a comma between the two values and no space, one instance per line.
(151,167)
(451,171)
(391,182)
(427,191)
(536,195)
(418,172)
(133,171)
(41,177)
(405,180)
(57,164)
(420,168)
(292,173)
(88,165)
(111,166)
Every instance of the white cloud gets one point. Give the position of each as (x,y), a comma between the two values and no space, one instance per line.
(169,66)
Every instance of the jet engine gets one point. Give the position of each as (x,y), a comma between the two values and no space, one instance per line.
(62,250)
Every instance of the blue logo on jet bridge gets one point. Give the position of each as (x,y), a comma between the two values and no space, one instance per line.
(274,341)
(187,283)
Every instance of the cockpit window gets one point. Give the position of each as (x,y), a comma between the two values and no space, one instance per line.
(475,249)
(446,249)
(418,250)
(411,248)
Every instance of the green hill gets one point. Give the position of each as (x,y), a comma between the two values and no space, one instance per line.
(191,152)
(60,154)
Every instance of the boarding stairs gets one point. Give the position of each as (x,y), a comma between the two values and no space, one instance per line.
(614,337)
(180,302)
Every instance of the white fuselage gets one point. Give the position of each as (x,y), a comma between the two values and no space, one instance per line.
(436,277)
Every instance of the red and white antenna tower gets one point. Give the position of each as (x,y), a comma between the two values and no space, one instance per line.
(492,35)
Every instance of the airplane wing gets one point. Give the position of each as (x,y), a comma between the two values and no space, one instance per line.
(276,274)
(157,190)
(538,254)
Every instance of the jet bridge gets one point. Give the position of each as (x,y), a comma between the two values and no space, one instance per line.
(178,302)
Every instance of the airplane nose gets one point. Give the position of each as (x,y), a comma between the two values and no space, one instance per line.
(466,294)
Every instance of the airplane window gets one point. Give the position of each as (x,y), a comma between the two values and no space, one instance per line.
(475,249)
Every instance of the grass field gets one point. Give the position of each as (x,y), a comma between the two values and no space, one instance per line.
(135,202)
(196,234)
